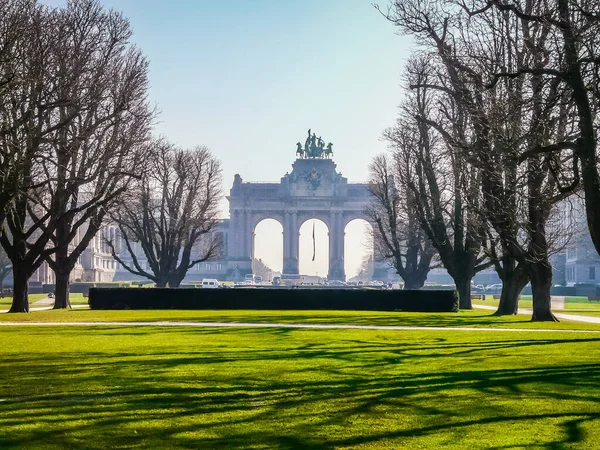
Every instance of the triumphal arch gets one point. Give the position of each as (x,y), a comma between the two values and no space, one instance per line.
(314,189)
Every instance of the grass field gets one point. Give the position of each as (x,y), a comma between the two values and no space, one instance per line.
(473,318)
(178,387)
(572,305)
(76,299)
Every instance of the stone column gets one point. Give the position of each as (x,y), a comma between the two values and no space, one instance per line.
(286,241)
(248,235)
(237,241)
(295,242)
(336,247)
(290,242)
(233,243)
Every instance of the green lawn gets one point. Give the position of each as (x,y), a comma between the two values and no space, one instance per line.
(7,301)
(168,387)
(474,318)
(576,305)
(76,299)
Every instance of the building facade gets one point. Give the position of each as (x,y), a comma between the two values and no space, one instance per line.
(578,262)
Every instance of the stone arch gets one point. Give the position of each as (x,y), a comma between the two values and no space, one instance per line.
(323,216)
(313,189)
(356,215)
(258,217)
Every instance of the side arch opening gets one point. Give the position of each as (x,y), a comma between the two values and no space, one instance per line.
(358,251)
(267,254)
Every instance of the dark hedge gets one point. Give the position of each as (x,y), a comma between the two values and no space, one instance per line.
(281,298)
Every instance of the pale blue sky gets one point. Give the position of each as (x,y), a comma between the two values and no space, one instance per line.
(248,78)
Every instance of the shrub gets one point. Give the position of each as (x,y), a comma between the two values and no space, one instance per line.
(281,298)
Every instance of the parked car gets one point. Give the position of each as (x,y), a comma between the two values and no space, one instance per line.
(210,283)
(478,289)
(494,288)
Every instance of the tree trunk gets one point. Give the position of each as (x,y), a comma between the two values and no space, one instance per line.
(513,282)
(509,297)
(61,292)
(20,301)
(413,283)
(62,267)
(463,286)
(174,282)
(540,274)
(161,282)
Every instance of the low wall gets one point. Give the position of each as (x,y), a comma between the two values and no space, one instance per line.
(284,299)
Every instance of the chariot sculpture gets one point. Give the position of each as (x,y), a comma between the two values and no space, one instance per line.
(314,147)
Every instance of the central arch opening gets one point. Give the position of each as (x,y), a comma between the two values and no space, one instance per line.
(314,252)
(268,248)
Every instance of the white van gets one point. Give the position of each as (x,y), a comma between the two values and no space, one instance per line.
(210,283)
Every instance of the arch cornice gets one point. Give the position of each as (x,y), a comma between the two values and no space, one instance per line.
(323,216)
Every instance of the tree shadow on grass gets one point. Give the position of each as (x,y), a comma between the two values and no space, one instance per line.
(304,394)
(364,395)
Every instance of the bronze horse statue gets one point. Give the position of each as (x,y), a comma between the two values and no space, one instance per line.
(329,150)
(299,150)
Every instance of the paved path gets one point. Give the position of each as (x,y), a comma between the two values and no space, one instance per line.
(279,325)
(573,317)
(44,302)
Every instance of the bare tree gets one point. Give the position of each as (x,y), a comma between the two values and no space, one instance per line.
(29,115)
(171,214)
(18,21)
(397,232)
(262,269)
(81,166)
(522,186)
(573,62)
(94,160)
(445,188)
(518,188)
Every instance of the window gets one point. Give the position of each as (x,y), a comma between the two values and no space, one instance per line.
(592,272)
(207,267)
(219,267)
